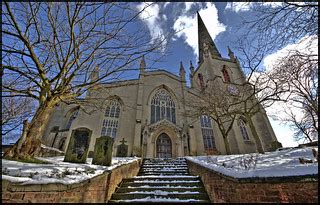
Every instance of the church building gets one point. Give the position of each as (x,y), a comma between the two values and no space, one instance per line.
(150,114)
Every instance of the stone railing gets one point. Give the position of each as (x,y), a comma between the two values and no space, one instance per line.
(221,188)
(95,190)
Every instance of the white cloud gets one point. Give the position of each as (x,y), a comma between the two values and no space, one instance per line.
(306,45)
(238,6)
(166,4)
(246,6)
(151,17)
(283,133)
(188,24)
(188,5)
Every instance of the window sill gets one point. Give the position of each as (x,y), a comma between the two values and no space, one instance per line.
(250,142)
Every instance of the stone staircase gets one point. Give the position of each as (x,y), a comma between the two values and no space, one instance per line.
(162,180)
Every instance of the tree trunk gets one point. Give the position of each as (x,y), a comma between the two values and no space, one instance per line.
(226,143)
(255,135)
(29,144)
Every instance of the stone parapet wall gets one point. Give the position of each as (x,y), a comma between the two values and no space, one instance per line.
(221,188)
(95,190)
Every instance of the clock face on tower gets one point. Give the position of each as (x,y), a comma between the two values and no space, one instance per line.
(233,90)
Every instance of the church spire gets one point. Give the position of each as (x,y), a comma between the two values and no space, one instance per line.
(142,64)
(205,42)
(182,72)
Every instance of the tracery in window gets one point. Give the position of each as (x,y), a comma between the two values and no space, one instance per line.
(162,107)
(111,121)
(226,76)
(243,129)
(71,118)
(207,133)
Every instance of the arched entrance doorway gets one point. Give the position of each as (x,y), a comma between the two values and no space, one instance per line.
(164,146)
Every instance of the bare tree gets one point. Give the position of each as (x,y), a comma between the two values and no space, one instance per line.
(14,111)
(272,28)
(213,101)
(50,51)
(299,72)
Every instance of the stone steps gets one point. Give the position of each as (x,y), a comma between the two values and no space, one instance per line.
(164,188)
(126,196)
(161,180)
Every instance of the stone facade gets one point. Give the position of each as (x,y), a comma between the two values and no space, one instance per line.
(223,189)
(135,123)
(96,190)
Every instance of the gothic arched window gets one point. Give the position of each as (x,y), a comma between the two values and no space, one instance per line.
(162,107)
(226,76)
(207,133)
(111,121)
(73,116)
(243,129)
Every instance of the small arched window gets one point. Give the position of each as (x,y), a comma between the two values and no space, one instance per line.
(111,121)
(243,129)
(207,133)
(225,74)
(71,118)
(163,107)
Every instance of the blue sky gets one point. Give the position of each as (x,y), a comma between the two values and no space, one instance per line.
(222,20)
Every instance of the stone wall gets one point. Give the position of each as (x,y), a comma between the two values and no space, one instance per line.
(96,190)
(221,188)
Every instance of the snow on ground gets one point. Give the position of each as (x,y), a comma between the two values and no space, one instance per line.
(51,148)
(57,171)
(271,164)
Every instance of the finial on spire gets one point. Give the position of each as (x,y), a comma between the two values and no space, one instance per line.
(95,74)
(182,71)
(142,63)
(231,55)
(191,68)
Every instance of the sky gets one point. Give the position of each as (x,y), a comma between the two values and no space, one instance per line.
(222,20)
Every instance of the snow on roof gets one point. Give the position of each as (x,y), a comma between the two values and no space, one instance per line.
(271,164)
(57,171)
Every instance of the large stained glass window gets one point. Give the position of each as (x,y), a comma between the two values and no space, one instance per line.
(162,107)
(111,121)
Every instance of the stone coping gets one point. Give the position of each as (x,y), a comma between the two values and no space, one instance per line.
(304,178)
(60,187)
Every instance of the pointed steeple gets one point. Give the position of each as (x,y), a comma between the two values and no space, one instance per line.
(142,64)
(182,72)
(205,42)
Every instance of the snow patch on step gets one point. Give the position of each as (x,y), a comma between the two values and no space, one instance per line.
(167,176)
(163,193)
(160,199)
